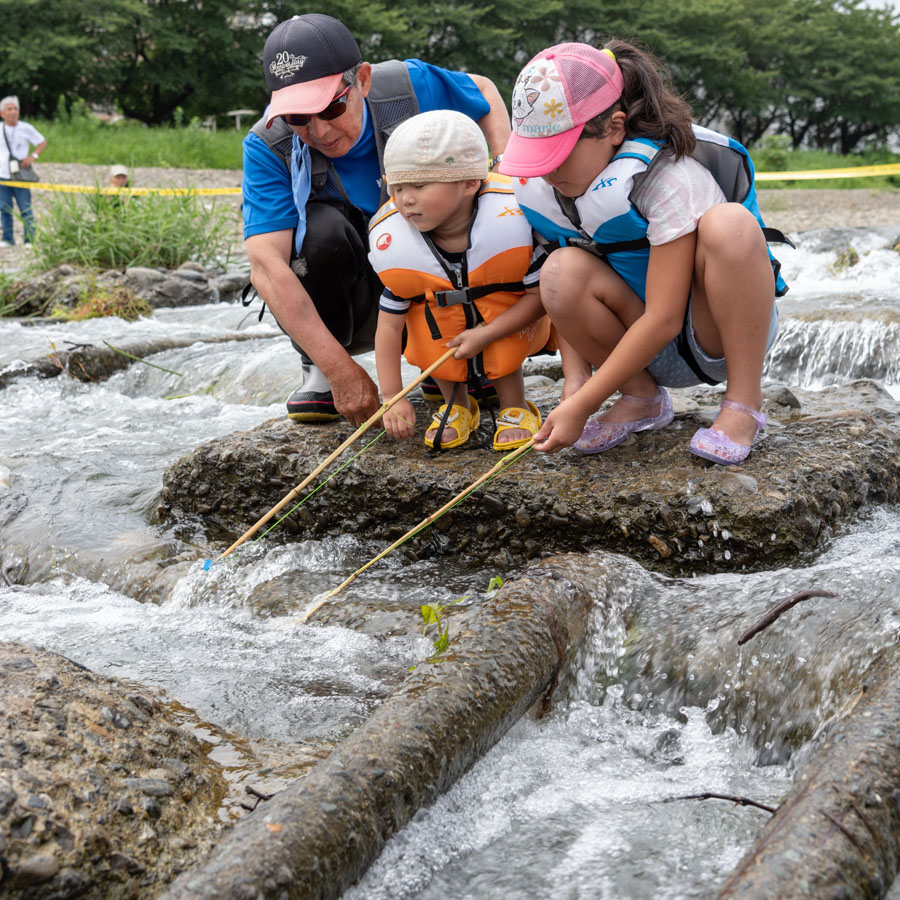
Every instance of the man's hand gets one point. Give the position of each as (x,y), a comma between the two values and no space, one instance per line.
(400,420)
(561,428)
(355,394)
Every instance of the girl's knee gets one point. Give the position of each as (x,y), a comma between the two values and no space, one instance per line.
(729,232)
(565,277)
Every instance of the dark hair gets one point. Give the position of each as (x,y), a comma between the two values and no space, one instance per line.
(652,108)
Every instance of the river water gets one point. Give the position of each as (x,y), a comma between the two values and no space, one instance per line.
(661,703)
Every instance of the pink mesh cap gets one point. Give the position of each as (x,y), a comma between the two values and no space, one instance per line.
(555,94)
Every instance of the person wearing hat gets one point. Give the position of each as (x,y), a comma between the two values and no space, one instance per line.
(313,176)
(458,261)
(663,276)
(118,176)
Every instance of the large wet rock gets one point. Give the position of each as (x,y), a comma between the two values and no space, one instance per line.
(188,285)
(101,794)
(823,457)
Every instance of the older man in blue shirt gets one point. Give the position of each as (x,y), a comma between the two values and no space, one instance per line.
(313,177)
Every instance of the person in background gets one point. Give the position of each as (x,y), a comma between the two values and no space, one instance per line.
(118,176)
(22,144)
(660,278)
(312,178)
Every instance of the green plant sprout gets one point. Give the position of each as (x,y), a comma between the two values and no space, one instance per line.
(434,614)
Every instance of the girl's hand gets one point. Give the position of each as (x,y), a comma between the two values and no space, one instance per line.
(470,343)
(400,420)
(561,428)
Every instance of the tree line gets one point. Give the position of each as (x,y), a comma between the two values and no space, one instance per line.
(822,72)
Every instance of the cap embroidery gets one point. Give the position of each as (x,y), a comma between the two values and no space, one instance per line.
(286,64)
(553,108)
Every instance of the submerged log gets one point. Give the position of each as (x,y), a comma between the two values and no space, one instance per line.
(317,837)
(89,362)
(837,833)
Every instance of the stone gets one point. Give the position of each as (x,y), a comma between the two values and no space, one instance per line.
(36,869)
(65,799)
(613,501)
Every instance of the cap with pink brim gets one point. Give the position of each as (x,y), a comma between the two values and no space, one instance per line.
(303,59)
(555,94)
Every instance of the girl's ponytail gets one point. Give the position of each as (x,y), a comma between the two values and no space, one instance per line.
(651,107)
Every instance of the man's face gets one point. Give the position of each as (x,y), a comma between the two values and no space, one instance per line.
(334,138)
(10,114)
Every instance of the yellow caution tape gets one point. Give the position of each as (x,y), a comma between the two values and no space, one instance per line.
(807,175)
(139,192)
(856,172)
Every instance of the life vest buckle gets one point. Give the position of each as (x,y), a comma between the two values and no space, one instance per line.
(451,298)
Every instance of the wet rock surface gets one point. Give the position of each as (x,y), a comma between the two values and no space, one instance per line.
(823,457)
(101,795)
(188,285)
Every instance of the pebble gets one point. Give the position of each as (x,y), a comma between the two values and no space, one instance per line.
(36,869)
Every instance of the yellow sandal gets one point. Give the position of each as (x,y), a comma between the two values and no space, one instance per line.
(514,417)
(463,420)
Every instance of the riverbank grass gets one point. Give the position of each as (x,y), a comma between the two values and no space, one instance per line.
(107,232)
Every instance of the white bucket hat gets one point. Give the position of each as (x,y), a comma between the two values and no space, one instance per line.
(441,145)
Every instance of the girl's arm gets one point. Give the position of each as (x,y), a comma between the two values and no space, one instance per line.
(523,312)
(399,421)
(669,274)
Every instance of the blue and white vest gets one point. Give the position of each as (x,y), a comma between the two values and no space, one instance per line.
(606,222)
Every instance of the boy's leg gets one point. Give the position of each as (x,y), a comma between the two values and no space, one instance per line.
(6,219)
(731,307)
(457,393)
(23,198)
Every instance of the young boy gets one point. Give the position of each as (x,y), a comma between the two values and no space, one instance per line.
(456,256)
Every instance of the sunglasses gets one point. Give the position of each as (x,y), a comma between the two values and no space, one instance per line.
(336,108)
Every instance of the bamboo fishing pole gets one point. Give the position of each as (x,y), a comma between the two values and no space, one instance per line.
(502,464)
(322,466)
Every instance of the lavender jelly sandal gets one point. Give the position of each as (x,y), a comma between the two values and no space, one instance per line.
(599,436)
(716,446)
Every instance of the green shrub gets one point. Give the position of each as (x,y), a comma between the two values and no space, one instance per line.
(100,231)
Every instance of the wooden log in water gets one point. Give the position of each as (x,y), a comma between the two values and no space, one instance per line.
(318,836)
(837,833)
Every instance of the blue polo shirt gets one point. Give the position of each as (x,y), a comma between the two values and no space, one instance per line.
(266,186)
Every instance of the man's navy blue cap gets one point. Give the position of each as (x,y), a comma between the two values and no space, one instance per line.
(303,60)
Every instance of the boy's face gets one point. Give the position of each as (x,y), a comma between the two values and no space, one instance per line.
(432,204)
(119,180)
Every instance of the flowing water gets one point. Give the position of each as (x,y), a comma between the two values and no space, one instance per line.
(661,703)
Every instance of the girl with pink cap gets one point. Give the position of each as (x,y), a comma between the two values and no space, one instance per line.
(662,276)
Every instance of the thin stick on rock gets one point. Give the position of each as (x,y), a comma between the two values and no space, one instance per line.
(781,607)
(502,464)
